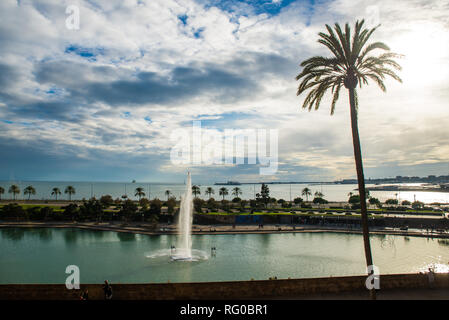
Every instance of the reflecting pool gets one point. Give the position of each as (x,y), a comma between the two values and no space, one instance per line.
(41,256)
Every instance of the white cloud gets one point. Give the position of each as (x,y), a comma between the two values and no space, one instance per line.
(133,37)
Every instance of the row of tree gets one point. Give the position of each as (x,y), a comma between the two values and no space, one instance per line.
(30,190)
(93,209)
(264,192)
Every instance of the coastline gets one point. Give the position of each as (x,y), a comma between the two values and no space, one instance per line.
(164,229)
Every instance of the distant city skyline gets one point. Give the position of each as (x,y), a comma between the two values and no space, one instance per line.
(100,103)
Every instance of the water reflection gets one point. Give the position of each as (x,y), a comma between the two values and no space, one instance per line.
(44,234)
(14,234)
(70,236)
(124,236)
(239,257)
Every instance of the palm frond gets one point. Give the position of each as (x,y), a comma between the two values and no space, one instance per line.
(352,60)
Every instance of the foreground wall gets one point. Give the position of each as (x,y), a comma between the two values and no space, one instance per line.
(223,290)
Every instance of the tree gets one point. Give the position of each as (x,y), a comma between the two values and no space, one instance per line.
(168,193)
(392,201)
(298,201)
(2,191)
(29,191)
(106,201)
(319,200)
(374,201)
(55,192)
(171,203)
(196,191)
(223,192)
(354,199)
(212,204)
(210,191)
(236,200)
(352,64)
(406,203)
(90,209)
(155,207)
(198,205)
(319,194)
(417,205)
(70,190)
(265,194)
(129,209)
(14,189)
(306,192)
(144,203)
(236,192)
(139,192)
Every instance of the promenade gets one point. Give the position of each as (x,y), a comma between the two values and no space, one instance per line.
(143,228)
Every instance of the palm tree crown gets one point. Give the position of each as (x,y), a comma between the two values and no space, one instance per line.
(69,190)
(196,190)
(55,192)
(167,193)
(210,191)
(29,191)
(139,192)
(223,192)
(350,65)
(14,189)
(319,194)
(306,192)
(236,191)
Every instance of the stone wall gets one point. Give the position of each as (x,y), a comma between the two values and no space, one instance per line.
(222,290)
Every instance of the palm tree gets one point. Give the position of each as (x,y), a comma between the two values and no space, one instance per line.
(55,192)
(29,191)
(306,192)
(352,64)
(223,192)
(70,190)
(14,189)
(139,193)
(2,191)
(236,191)
(319,194)
(196,190)
(210,191)
(168,193)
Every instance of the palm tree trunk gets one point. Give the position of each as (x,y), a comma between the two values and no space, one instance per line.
(361,182)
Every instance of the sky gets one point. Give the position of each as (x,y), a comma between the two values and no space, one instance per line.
(101,102)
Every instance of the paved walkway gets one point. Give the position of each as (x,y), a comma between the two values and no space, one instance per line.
(392,294)
(142,228)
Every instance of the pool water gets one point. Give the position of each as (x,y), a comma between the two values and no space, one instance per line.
(41,255)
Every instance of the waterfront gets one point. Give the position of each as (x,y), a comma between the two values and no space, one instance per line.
(332,192)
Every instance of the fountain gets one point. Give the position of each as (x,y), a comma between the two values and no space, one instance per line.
(184,248)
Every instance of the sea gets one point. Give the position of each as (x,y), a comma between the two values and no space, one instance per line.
(86,190)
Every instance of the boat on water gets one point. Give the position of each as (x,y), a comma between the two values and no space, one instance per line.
(229,183)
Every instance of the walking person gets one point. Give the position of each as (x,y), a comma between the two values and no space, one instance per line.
(107,289)
(85,295)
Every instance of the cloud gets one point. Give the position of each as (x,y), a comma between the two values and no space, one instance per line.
(111,93)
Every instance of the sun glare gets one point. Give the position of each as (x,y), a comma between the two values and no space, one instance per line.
(424,48)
